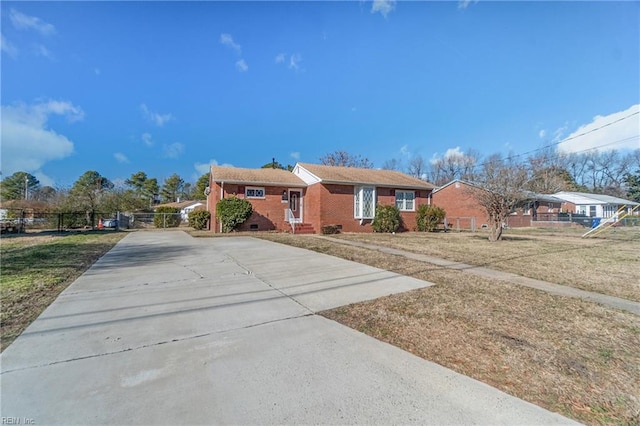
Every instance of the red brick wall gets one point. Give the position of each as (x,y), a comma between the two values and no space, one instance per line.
(336,207)
(268,213)
(459,203)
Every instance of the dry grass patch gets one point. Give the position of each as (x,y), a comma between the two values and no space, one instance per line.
(607,264)
(570,356)
(34,270)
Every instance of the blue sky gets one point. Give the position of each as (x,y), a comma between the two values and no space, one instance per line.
(170,87)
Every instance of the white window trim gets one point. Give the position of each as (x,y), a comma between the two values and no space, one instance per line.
(255,188)
(358,191)
(404,200)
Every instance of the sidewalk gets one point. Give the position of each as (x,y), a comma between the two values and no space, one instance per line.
(557,289)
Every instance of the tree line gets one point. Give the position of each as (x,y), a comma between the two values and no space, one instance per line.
(94,192)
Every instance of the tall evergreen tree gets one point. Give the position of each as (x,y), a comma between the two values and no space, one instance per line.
(18,186)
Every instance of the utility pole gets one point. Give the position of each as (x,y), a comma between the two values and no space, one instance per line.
(26,187)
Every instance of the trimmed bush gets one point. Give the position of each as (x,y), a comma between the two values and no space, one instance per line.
(198,219)
(232,212)
(387,219)
(428,217)
(170,217)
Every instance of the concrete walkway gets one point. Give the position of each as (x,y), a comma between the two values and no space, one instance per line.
(167,329)
(560,290)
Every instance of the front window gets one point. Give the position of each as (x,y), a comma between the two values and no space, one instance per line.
(405,200)
(254,192)
(364,202)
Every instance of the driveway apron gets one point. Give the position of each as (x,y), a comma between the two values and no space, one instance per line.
(168,329)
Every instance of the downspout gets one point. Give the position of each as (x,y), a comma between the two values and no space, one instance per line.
(221,197)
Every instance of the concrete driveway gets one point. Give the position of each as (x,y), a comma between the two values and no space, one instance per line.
(167,329)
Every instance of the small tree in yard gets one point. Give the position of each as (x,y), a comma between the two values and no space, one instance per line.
(499,190)
(198,219)
(170,217)
(387,219)
(232,212)
(428,217)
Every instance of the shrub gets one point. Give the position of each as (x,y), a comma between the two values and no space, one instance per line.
(170,217)
(198,219)
(232,212)
(387,219)
(429,217)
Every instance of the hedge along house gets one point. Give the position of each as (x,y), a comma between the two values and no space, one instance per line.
(314,196)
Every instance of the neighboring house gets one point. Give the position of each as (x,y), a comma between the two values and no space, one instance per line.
(185,207)
(314,196)
(595,205)
(464,212)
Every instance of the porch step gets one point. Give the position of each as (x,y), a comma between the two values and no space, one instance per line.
(304,228)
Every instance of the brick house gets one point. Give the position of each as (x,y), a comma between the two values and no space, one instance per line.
(314,196)
(464,212)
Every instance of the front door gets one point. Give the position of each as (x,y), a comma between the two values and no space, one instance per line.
(295,204)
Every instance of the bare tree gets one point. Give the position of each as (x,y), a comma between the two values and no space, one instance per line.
(499,190)
(454,164)
(344,159)
(393,164)
(417,167)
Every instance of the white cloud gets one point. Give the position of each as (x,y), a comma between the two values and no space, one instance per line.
(120,158)
(157,119)
(146,138)
(404,150)
(294,61)
(41,50)
(27,142)
(280,58)
(451,153)
(227,40)
(203,168)
(542,134)
(173,150)
(242,66)
(26,22)
(295,155)
(463,4)
(7,47)
(384,7)
(619,130)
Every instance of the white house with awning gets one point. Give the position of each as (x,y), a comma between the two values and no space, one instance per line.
(595,205)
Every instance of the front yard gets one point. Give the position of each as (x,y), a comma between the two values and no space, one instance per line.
(570,356)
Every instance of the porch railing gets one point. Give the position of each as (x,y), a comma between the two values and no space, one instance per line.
(291,219)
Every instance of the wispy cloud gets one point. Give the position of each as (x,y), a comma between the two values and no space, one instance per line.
(463,4)
(120,158)
(97,71)
(25,22)
(41,50)
(295,155)
(242,66)
(384,7)
(542,134)
(404,150)
(154,117)
(614,131)
(173,150)
(280,58)
(294,61)
(227,40)
(203,168)
(28,142)
(7,47)
(146,138)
